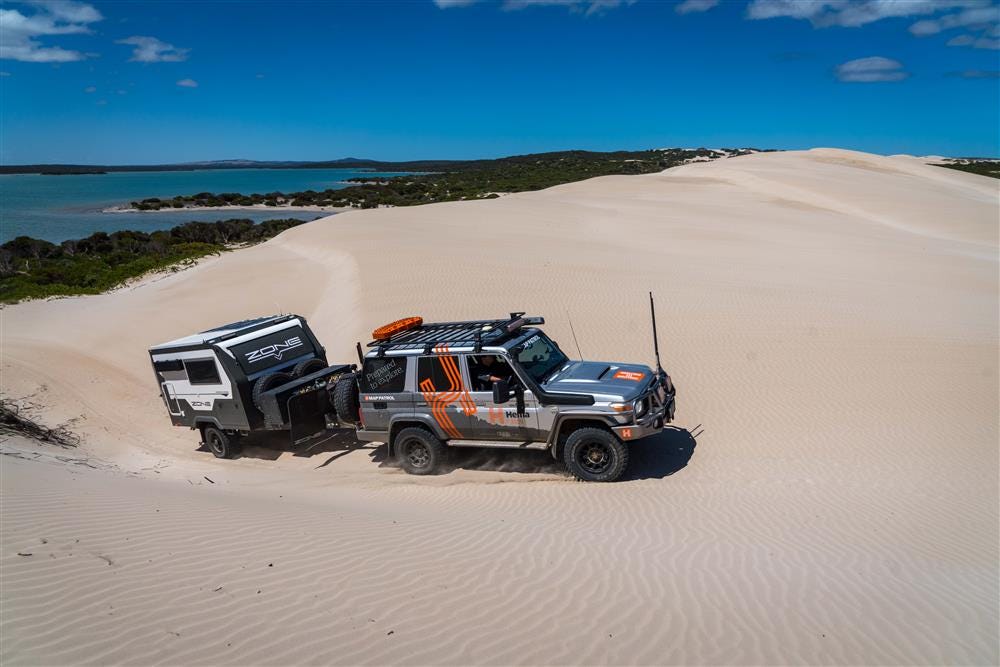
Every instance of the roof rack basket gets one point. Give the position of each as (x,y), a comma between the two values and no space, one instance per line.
(471,333)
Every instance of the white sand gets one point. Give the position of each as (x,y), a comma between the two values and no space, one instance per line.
(830,318)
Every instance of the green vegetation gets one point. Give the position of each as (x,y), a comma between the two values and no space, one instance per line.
(989,168)
(31,268)
(475,179)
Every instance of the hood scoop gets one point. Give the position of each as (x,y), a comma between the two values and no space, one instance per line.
(585,371)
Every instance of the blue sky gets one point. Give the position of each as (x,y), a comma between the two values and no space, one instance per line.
(150,82)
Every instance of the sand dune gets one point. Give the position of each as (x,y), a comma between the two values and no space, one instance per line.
(830,317)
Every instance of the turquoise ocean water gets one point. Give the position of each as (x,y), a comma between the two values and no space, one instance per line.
(56,208)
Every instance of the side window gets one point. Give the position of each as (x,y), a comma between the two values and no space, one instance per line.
(202,371)
(387,374)
(171,370)
(438,374)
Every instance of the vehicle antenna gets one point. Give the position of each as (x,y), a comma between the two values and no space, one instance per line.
(573,331)
(656,342)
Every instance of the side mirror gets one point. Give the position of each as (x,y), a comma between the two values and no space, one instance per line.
(501,392)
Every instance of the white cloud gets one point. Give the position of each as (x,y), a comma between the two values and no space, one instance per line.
(961,40)
(980,18)
(90,89)
(587,7)
(870,70)
(72,12)
(187,83)
(692,6)
(19,32)
(977,18)
(152,50)
(852,13)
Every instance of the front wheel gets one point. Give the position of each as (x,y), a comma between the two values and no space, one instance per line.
(595,455)
(221,445)
(419,451)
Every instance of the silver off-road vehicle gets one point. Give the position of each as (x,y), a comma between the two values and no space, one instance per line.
(424,388)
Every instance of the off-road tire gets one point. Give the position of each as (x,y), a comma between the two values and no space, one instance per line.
(221,444)
(345,399)
(267,383)
(308,366)
(419,451)
(595,455)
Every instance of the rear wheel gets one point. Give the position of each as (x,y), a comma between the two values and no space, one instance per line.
(345,399)
(221,444)
(595,455)
(419,451)
(267,383)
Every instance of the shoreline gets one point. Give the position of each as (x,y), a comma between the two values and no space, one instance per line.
(230,207)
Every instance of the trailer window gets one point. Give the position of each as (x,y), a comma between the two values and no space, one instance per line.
(387,374)
(168,365)
(202,371)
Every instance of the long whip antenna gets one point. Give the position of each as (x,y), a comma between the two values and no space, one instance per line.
(656,342)
(573,331)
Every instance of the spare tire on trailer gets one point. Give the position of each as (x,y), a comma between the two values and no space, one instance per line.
(308,366)
(267,383)
(345,399)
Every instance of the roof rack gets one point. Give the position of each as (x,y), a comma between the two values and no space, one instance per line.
(472,333)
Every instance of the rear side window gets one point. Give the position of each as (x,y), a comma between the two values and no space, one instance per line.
(439,374)
(202,371)
(387,374)
(168,365)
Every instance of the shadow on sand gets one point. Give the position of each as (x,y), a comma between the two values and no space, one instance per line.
(654,457)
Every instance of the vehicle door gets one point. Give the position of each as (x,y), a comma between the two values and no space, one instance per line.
(168,372)
(383,394)
(505,421)
(442,392)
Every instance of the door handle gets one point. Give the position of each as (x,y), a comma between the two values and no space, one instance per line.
(421,405)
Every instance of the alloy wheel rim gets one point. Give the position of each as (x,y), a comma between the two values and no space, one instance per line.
(595,457)
(418,454)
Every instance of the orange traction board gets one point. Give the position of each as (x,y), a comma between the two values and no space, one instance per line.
(387,331)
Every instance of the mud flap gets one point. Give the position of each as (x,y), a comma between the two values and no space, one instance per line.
(307,414)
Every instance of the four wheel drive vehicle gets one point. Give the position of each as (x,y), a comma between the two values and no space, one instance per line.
(268,373)
(501,383)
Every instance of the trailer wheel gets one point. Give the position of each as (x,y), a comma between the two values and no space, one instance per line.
(308,366)
(419,451)
(345,399)
(267,383)
(221,445)
(595,455)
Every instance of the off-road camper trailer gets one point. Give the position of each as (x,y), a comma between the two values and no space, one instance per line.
(268,373)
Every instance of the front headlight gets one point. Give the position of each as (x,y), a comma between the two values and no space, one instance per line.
(640,407)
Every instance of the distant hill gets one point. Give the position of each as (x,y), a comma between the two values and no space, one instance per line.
(363,163)
(341,163)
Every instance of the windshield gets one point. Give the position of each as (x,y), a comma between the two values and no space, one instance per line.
(540,357)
